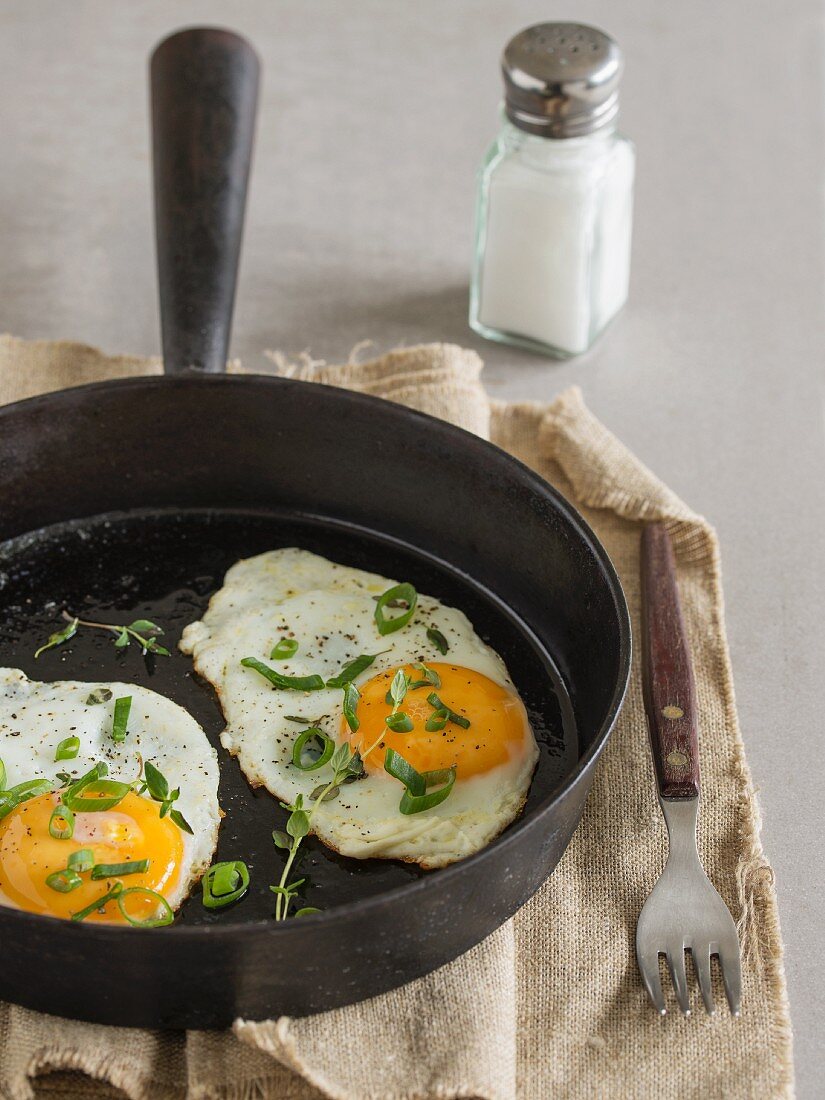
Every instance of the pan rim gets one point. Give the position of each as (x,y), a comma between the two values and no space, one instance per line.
(102,933)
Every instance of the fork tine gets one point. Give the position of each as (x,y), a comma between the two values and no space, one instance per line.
(731,972)
(649,966)
(676,962)
(701,964)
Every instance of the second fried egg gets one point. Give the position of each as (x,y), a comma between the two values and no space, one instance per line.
(51,736)
(301,615)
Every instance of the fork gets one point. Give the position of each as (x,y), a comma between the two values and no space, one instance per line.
(684,912)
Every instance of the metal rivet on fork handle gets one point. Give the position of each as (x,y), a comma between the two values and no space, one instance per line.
(677,759)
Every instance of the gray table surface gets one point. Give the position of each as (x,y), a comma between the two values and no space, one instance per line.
(374,118)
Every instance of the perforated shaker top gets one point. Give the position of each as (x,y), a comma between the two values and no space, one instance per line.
(561,79)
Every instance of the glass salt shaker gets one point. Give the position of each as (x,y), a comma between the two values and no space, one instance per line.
(555,195)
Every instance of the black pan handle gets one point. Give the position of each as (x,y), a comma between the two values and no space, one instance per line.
(204,95)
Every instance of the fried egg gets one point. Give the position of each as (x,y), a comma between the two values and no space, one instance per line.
(290,597)
(35,718)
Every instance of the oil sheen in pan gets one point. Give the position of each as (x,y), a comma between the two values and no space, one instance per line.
(164,566)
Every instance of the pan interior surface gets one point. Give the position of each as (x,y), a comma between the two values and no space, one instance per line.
(164,565)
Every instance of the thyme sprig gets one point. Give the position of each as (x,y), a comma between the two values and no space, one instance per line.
(157,786)
(397,720)
(142,631)
(346,764)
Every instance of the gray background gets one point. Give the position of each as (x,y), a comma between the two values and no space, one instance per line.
(374,118)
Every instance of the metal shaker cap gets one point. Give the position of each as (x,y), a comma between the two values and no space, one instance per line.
(561,80)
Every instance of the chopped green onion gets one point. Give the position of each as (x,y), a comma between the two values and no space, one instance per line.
(289,683)
(399,722)
(100,794)
(30,789)
(99,695)
(59,637)
(225,879)
(437,721)
(350,671)
(115,870)
(151,922)
(326,744)
(416,803)
(21,792)
(399,768)
(81,860)
(2,776)
(403,594)
(286,648)
(224,883)
(64,881)
(61,823)
(96,772)
(351,697)
(458,719)
(298,718)
(68,749)
(417,794)
(438,639)
(121,717)
(8,802)
(100,903)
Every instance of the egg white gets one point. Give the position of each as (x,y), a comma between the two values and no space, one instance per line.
(35,717)
(329,609)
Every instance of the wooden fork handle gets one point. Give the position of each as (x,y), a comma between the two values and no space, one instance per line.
(667,674)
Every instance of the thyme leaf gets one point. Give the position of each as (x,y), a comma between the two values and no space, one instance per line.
(438,639)
(59,637)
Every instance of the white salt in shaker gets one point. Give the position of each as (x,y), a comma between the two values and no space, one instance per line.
(555,195)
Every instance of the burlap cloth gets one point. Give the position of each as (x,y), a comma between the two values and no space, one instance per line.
(551,1005)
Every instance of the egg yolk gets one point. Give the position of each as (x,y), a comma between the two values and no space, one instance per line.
(132,830)
(498,733)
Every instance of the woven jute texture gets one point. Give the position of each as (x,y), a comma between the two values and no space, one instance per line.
(551,1005)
